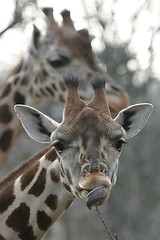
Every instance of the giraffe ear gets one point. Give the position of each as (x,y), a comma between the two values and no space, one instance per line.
(133,118)
(37,125)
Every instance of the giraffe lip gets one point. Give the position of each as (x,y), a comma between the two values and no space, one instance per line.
(85,193)
(94,180)
(97,196)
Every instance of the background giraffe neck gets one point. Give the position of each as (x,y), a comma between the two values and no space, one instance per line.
(38,195)
(15,89)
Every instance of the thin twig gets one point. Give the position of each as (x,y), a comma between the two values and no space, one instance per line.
(104,223)
(107,228)
(116,237)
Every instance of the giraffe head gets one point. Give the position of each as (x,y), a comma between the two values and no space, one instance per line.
(64,50)
(88,142)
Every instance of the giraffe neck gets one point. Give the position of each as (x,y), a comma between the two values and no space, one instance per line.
(11,92)
(21,86)
(31,204)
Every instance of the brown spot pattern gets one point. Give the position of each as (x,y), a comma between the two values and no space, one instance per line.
(43,92)
(51,155)
(6,198)
(54,87)
(5,114)
(5,140)
(31,90)
(61,98)
(62,86)
(2,238)
(52,201)
(50,91)
(27,234)
(6,91)
(25,80)
(19,98)
(36,79)
(27,178)
(16,80)
(43,220)
(39,186)
(18,220)
(54,176)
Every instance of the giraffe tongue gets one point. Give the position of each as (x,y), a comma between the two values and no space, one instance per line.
(96,197)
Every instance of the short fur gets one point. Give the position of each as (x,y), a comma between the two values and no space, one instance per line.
(21,169)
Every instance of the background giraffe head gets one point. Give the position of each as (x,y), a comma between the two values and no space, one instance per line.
(63,50)
(88,142)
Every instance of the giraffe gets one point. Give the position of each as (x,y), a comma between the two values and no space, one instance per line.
(81,162)
(40,72)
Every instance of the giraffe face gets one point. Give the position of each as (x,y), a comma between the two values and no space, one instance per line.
(61,51)
(88,142)
(88,153)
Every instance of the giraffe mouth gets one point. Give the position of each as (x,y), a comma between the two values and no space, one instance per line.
(95,188)
(96,196)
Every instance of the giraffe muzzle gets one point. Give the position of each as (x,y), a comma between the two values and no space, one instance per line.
(99,168)
(92,178)
(95,189)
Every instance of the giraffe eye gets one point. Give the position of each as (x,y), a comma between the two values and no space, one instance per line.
(58,61)
(59,146)
(119,143)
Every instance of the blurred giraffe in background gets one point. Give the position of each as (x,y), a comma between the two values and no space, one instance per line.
(40,73)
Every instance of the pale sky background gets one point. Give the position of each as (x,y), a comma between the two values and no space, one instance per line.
(14,42)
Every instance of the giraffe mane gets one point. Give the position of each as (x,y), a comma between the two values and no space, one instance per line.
(21,169)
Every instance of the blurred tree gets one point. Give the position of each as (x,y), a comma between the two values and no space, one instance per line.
(19,16)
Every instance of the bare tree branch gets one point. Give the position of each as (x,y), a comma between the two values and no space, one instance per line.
(17,18)
(18,14)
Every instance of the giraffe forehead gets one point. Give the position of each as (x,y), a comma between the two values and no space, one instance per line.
(96,131)
(89,126)
(90,121)
(66,35)
(70,43)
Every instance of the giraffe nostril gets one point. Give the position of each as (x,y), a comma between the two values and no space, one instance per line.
(86,169)
(102,169)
